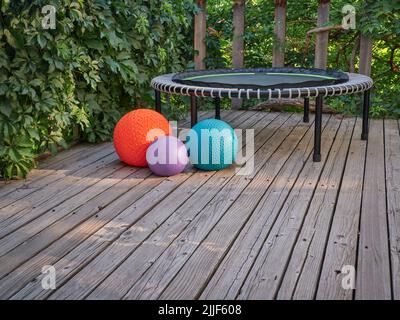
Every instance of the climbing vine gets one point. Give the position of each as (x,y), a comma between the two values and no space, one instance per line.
(85,73)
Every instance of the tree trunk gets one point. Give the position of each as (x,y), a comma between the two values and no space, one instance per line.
(352,61)
(278,54)
(322,38)
(200,25)
(365,55)
(238,41)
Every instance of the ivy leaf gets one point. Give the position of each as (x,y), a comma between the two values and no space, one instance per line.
(25,152)
(14,155)
(114,66)
(33,133)
(14,39)
(36,83)
(59,65)
(5,109)
(42,41)
(131,65)
(136,44)
(22,170)
(95,44)
(113,39)
(9,170)
(63,143)
(53,148)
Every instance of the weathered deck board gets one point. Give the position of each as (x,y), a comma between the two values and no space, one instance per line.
(232,272)
(373,267)
(266,273)
(392,157)
(283,232)
(343,235)
(33,205)
(299,281)
(94,235)
(40,234)
(188,284)
(67,156)
(52,175)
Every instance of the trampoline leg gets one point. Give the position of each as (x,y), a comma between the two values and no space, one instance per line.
(217,102)
(365,123)
(306,117)
(193,110)
(318,129)
(158,100)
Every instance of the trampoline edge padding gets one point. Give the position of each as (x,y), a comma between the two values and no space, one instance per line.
(349,83)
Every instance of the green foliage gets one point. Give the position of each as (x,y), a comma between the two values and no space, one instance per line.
(378,19)
(95,66)
(381,21)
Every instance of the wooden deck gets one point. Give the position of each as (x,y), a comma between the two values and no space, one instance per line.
(284,232)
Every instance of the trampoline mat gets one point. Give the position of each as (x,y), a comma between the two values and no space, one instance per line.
(261,79)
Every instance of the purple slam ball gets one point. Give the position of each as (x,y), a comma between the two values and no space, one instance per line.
(167,156)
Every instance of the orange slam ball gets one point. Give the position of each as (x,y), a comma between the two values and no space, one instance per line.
(131,138)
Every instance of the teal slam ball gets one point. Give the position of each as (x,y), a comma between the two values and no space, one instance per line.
(212,145)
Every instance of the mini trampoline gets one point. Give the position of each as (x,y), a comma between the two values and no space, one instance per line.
(290,83)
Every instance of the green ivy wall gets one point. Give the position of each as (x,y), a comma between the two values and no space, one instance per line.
(84,74)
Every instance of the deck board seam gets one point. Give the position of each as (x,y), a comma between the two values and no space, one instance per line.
(387,211)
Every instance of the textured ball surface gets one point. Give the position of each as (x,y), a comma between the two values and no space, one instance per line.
(135,131)
(167,156)
(216,146)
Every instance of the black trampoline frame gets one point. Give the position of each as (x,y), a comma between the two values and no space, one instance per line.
(356,83)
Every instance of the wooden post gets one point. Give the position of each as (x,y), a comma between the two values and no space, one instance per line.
(365,68)
(278,52)
(200,25)
(238,41)
(322,38)
(238,33)
(365,55)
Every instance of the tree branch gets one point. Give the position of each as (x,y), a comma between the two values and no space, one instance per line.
(393,66)
(318,30)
